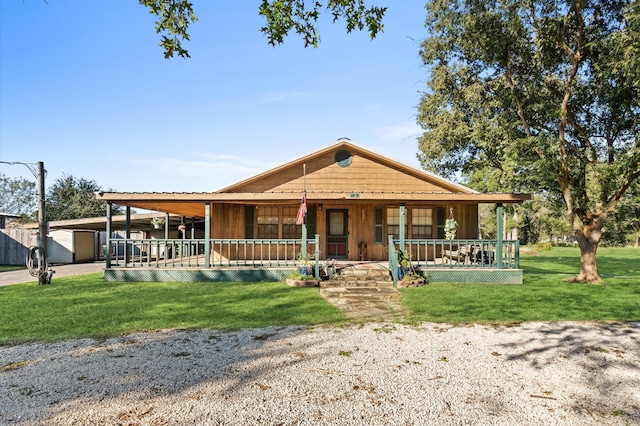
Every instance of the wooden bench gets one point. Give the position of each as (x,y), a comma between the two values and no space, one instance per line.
(464,254)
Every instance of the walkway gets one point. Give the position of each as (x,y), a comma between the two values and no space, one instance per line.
(363,290)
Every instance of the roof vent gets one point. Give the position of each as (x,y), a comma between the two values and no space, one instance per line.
(343,158)
(344,139)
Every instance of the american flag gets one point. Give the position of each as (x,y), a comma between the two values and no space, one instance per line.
(302,211)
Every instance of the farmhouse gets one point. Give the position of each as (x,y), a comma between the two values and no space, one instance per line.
(355,206)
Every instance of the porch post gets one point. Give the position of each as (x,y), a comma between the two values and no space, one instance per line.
(393,260)
(207,235)
(303,249)
(402,227)
(166,226)
(107,251)
(499,235)
(127,233)
(317,257)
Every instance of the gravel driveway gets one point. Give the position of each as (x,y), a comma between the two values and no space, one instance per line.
(374,374)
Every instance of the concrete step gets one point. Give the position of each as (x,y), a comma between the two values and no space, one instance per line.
(356,284)
(354,276)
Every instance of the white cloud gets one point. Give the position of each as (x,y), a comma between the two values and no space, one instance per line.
(205,174)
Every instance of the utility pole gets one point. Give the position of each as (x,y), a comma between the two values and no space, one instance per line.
(44,274)
(42,228)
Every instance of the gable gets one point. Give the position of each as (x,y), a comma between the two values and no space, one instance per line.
(365,172)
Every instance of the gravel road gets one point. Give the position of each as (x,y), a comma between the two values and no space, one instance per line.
(373,374)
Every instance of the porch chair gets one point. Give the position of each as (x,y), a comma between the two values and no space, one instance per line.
(464,254)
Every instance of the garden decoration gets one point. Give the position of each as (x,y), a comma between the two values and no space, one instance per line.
(450,226)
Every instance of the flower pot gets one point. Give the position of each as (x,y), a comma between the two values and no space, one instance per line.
(304,269)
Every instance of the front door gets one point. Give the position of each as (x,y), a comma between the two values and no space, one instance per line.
(337,233)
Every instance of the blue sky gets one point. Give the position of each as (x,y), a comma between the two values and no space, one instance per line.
(85,88)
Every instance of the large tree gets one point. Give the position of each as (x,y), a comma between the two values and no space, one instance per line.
(546,92)
(282,16)
(74,198)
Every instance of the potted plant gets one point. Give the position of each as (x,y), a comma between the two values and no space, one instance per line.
(450,227)
(297,279)
(329,268)
(404,266)
(157,222)
(305,263)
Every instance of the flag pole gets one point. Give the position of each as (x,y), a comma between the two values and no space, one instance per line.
(304,222)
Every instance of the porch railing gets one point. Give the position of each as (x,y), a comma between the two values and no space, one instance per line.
(184,253)
(486,254)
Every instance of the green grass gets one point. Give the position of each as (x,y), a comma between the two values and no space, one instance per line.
(4,268)
(544,295)
(86,306)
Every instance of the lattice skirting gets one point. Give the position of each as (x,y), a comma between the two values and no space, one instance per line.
(200,275)
(489,276)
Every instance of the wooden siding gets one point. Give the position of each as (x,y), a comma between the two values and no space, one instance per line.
(324,175)
(227,222)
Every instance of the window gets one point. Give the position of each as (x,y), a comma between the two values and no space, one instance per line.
(268,222)
(441,218)
(393,222)
(421,223)
(378,225)
(290,230)
(249,212)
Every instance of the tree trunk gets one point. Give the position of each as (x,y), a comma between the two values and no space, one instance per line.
(588,239)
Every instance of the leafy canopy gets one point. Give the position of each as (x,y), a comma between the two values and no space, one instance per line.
(175,16)
(74,198)
(18,196)
(543,91)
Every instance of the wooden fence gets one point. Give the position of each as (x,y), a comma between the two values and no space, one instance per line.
(15,243)
(14,246)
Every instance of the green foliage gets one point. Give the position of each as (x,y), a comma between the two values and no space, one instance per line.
(286,15)
(539,92)
(295,274)
(174,18)
(622,226)
(19,197)
(74,198)
(282,16)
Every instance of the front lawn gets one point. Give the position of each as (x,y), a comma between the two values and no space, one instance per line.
(543,297)
(86,306)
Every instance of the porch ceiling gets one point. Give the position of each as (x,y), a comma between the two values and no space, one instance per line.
(192,204)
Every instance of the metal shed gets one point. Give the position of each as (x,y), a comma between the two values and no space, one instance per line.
(71,246)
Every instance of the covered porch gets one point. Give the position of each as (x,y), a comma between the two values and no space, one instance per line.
(254,260)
